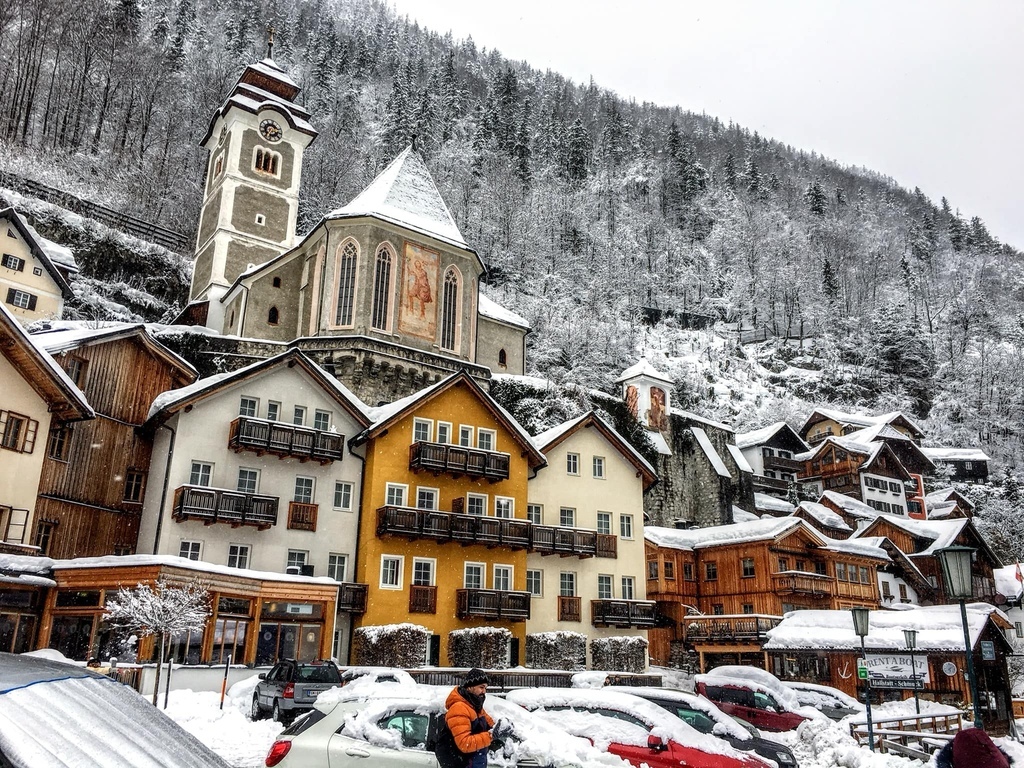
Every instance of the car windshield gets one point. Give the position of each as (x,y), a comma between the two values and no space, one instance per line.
(698,720)
(318,674)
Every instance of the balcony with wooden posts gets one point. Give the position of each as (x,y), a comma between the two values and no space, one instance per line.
(623,613)
(780,464)
(302,516)
(220,505)
(733,628)
(802,583)
(770,483)
(492,604)
(511,533)
(285,440)
(352,598)
(458,460)
(570,608)
(422,599)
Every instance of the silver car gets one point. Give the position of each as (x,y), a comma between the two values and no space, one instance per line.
(291,687)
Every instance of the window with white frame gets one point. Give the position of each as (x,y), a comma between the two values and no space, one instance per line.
(10,261)
(599,467)
(426,498)
(273,411)
(248,480)
(337,566)
(476,504)
(572,463)
(190,549)
(391,571)
(21,299)
(299,416)
(486,439)
(567,584)
(473,576)
(502,578)
(396,494)
(504,506)
(423,570)
(604,586)
(465,436)
(304,490)
(322,420)
(626,526)
(534,513)
(238,555)
(248,406)
(343,495)
(567,517)
(535,582)
(604,522)
(422,430)
(444,432)
(296,559)
(201,474)
(628,588)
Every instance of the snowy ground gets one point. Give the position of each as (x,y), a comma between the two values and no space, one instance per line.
(244,744)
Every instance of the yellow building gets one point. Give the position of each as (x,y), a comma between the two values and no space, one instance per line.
(443,534)
(34,271)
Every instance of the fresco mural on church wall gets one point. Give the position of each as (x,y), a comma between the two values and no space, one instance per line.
(418,316)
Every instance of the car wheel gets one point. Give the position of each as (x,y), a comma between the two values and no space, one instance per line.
(278,715)
(257,712)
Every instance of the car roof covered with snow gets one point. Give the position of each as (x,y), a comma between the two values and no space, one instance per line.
(699,703)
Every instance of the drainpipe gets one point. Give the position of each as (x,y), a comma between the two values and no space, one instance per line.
(163,493)
(355,553)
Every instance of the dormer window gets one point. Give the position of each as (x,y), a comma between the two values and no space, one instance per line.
(265,161)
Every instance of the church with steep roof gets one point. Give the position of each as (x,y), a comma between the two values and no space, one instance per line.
(383,292)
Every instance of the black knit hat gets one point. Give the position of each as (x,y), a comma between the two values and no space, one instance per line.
(475,677)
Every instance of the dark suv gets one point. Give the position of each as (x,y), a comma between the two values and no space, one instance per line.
(291,687)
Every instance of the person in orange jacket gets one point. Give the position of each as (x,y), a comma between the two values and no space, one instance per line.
(467,720)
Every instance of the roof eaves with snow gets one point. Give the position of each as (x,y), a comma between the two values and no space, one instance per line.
(763,435)
(642,368)
(851,506)
(767,503)
(56,342)
(762,529)
(33,240)
(545,441)
(709,451)
(701,420)
(955,454)
(824,515)
(490,309)
(741,461)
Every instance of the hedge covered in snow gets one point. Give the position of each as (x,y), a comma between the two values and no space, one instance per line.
(485,647)
(391,645)
(556,650)
(619,654)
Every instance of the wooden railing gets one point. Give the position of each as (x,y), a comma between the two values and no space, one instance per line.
(783,465)
(492,604)
(422,599)
(623,613)
(760,481)
(289,440)
(570,608)
(743,627)
(790,583)
(302,516)
(901,730)
(219,505)
(352,597)
(459,460)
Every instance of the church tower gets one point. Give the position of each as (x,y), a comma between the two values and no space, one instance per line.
(256,140)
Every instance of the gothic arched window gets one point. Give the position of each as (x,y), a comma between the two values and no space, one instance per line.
(265,161)
(382,288)
(502,358)
(346,279)
(450,310)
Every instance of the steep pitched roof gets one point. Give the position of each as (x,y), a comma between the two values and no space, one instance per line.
(766,528)
(492,310)
(643,368)
(404,193)
(823,515)
(763,435)
(860,419)
(47,253)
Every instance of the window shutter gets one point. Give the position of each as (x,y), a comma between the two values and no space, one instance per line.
(458,505)
(10,296)
(31,303)
(31,428)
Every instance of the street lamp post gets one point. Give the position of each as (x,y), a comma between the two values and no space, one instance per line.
(910,636)
(956,575)
(861,620)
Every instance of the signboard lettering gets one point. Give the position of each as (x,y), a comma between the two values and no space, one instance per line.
(897,666)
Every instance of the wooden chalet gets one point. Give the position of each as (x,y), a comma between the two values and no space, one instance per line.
(770,452)
(947,503)
(964,465)
(828,422)
(870,472)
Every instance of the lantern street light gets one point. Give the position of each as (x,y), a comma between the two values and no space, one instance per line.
(956,575)
(861,620)
(910,636)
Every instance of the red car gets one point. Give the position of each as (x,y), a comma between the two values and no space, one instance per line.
(766,704)
(636,730)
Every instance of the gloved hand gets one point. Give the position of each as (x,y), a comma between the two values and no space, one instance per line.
(479,725)
(502,729)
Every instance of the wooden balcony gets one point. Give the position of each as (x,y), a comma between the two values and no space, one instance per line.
(422,599)
(793,583)
(553,540)
(770,483)
(458,460)
(219,505)
(733,628)
(285,440)
(623,613)
(492,604)
(352,598)
(302,516)
(569,608)
(780,464)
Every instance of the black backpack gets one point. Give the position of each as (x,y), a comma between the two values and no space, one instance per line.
(448,754)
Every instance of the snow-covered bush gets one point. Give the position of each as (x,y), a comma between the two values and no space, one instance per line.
(485,647)
(619,654)
(391,645)
(556,650)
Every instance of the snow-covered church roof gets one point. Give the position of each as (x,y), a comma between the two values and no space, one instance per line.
(491,309)
(404,193)
(643,368)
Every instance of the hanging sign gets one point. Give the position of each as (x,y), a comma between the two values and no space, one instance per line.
(897,670)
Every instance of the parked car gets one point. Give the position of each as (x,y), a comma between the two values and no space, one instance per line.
(377,675)
(753,695)
(633,728)
(831,702)
(59,715)
(369,724)
(291,687)
(703,715)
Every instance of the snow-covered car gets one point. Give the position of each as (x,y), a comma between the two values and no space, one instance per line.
(291,687)
(388,724)
(377,675)
(633,728)
(756,696)
(702,715)
(831,702)
(57,715)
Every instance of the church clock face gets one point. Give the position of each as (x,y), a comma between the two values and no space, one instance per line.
(271,131)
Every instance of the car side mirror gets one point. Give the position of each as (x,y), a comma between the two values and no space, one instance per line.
(263,675)
(656,744)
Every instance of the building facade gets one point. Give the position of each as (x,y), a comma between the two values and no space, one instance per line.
(34,272)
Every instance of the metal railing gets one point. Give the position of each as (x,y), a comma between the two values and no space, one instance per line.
(220,505)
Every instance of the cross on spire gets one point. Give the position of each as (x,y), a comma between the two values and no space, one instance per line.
(270,41)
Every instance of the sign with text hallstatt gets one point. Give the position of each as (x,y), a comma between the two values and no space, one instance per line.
(897,670)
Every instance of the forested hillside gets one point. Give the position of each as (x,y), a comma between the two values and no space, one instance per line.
(591,210)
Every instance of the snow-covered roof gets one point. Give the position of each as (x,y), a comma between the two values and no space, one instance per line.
(660,443)
(1007,583)
(55,341)
(870,450)
(880,431)
(824,515)
(701,419)
(772,504)
(955,454)
(866,547)
(545,439)
(709,450)
(938,628)
(46,252)
(760,436)
(26,571)
(941,533)
(268,66)
(173,561)
(863,419)
(404,193)
(742,516)
(736,533)
(741,461)
(491,309)
(851,506)
(59,254)
(642,368)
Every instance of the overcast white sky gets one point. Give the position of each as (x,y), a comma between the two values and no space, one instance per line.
(930,92)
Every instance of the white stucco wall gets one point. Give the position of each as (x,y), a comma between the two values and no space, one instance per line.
(897,497)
